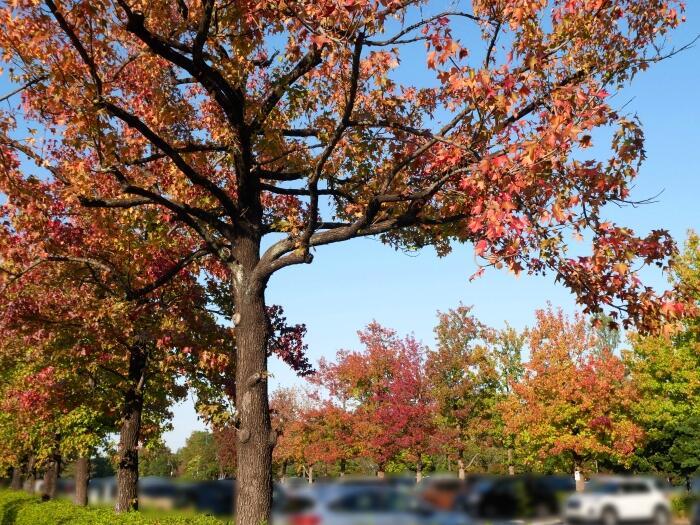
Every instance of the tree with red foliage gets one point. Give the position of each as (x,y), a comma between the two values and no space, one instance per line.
(574,401)
(290,119)
(386,388)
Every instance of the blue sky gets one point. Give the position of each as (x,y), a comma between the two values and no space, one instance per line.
(349,285)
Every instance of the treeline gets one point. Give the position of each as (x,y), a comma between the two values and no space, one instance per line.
(561,396)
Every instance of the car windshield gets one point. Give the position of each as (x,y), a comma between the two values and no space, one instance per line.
(602,487)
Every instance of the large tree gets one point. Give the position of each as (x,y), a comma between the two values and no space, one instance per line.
(295,119)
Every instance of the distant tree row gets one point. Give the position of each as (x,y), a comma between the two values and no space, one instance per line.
(558,397)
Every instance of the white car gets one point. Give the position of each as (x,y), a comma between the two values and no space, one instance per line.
(612,500)
(359,505)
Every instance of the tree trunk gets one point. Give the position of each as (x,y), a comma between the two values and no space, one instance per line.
(53,467)
(283,471)
(130,433)
(342,467)
(380,472)
(511,467)
(255,436)
(30,479)
(48,491)
(16,483)
(578,476)
(419,471)
(82,475)
(460,465)
(310,474)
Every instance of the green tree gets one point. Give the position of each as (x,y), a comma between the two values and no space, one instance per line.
(157,460)
(197,460)
(667,373)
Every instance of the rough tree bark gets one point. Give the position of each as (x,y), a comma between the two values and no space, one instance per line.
(82,476)
(48,491)
(256,438)
(130,432)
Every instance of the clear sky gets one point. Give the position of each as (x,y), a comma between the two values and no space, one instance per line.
(351,284)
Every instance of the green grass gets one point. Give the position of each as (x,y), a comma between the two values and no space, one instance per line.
(19,508)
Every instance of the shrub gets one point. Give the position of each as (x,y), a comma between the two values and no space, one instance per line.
(19,508)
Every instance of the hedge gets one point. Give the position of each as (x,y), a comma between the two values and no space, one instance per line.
(20,508)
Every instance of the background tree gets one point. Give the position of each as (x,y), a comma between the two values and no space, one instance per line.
(197,460)
(463,381)
(574,401)
(156,459)
(239,120)
(666,371)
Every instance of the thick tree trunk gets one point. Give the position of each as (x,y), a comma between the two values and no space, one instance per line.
(53,467)
(29,484)
(82,475)
(16,483)
(129,435)
(48,490)
(255,436)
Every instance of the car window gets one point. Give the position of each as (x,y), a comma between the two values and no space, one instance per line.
(295,504)
(359,502)
(602,487)
(635,488)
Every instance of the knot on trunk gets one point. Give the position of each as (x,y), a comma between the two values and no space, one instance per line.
(256,379)
(272,439)
(244,435)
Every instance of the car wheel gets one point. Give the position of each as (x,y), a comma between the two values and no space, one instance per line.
(608,517)
(661,516)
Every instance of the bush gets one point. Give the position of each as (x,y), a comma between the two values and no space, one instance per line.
(681,504)
(19,508)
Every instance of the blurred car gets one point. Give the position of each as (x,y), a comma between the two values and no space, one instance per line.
(362,504)
(161,493)
(519,497)
(611,500)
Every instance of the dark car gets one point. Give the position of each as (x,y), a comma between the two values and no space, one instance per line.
(518,496)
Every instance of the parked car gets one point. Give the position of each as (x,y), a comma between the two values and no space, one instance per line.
(519,497)
(611,500)
(362,504)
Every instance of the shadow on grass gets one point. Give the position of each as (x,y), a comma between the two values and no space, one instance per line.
(11,509)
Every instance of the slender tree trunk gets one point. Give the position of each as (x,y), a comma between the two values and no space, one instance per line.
(310,474)
(342,467)
(460,464)
(255,436)
(419,471)
(130,433)
(16,483)
(283,471)
(380,472)
(578,475)
(511,467)
(82,476)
